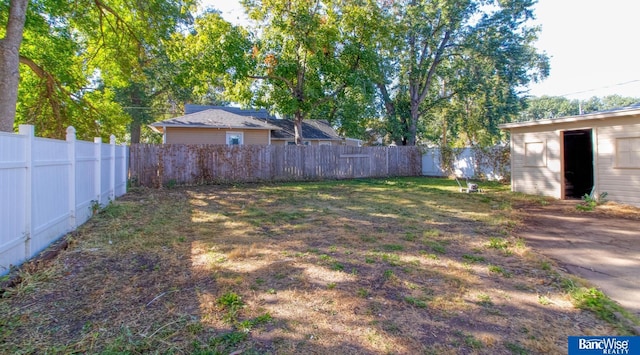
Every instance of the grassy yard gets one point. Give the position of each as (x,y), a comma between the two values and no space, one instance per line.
(398,266)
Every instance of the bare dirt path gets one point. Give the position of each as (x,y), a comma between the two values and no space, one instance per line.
(602,246)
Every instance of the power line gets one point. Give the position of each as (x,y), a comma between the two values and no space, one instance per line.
(603,87)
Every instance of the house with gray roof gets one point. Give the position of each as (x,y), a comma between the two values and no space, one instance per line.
(232,125)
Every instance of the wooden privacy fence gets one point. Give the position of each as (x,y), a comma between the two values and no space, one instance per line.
(160,165)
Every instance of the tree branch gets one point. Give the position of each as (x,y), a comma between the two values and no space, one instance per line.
(274,77)
(119,19)
(436,60)
(52,84)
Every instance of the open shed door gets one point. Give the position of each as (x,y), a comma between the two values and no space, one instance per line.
(578,163)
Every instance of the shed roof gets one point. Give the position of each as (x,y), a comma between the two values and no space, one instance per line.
(632,110)
(215,118)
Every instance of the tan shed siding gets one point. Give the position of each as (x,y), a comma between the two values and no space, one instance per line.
(621,184)
(178,135)
(536,180)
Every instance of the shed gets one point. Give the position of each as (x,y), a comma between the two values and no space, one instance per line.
(571,156)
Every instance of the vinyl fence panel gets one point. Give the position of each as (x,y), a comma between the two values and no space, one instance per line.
(14,197)
(490,163)
(48,187)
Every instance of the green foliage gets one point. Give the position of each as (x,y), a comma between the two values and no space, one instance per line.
(308,60)
(212,57)
(363,293)
(415,302)
(473,258)
(516,349)
(589,203)
(498,243)
(436,247)
(454,67)
(247,325)
(472,342)
(485,300)
(549,107)
(596,301)
(393,247)
(74,61)
(232,304)
(228,340)
(545,107)
(499,270)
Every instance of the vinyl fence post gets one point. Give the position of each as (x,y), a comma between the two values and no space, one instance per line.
(71,144)
(112,168)
(98,169)
(29,132)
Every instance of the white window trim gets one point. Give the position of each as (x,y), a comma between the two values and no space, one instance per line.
(230,134)
(324,143)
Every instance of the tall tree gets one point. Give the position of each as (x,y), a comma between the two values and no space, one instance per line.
(9,62)
(434,44)
(75,54)
(212,56)
(307,52)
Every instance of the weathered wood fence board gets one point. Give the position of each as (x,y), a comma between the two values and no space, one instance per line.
(158,165)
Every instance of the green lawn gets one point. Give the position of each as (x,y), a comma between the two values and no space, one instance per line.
(406,265)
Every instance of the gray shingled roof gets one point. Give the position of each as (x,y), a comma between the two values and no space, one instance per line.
(311,129)
(261,113)
(215,118)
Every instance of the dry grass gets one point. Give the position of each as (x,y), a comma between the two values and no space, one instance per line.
(366,266)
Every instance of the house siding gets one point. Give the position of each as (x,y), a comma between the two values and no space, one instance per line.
(178,135)
(536,180)
(621,184)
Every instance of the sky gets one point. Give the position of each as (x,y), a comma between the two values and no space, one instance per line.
(593,45)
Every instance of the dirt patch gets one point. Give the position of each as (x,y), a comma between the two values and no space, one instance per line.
(601,246)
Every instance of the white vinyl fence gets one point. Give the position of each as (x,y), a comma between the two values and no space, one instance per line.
(470,163)
(49,187)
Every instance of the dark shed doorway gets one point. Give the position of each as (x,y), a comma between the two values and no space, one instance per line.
(578,163)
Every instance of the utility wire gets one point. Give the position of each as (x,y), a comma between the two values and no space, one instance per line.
(603,87)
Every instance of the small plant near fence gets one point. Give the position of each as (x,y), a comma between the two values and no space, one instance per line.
(95,207)
(589,203)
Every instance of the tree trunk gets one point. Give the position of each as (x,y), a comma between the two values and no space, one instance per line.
(10,62)
(297,124)
(413,123)
(135,131)
(136,121)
